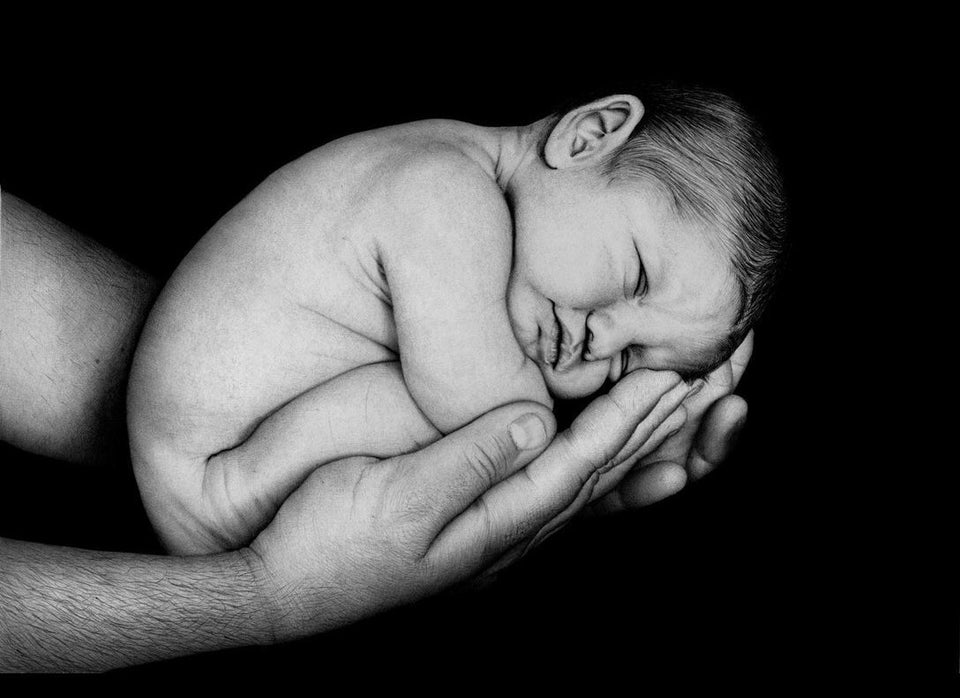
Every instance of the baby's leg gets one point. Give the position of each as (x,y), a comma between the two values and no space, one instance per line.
(366,411)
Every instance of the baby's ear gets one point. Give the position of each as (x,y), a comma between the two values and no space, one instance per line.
(586,134)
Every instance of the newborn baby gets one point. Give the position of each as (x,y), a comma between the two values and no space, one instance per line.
(393,285)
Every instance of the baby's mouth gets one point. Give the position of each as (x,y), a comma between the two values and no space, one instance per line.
(550,343)
(557,340)
(566,353)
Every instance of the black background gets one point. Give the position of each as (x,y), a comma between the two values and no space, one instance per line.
(143,144)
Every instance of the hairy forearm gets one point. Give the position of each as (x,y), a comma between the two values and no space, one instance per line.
(70,314)
(63,609)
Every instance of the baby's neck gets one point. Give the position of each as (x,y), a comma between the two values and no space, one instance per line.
(502,152)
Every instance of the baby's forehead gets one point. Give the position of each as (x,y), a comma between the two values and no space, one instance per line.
(655,212)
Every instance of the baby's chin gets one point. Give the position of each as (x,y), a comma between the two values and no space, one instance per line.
(577,384)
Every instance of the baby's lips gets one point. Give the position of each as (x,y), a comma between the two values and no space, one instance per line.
(571,352)
(546,349)
(569,356)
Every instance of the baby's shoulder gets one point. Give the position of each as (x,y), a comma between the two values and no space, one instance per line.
(451,224)
(440,180)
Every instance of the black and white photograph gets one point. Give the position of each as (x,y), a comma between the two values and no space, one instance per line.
(413,364)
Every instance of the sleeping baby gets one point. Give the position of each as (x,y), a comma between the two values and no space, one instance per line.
(393,285)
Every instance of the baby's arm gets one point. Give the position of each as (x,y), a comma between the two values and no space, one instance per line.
(448,267)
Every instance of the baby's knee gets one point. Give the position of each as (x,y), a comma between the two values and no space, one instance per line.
(235,509)
(180,500)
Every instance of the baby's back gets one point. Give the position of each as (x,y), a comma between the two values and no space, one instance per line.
(283,293)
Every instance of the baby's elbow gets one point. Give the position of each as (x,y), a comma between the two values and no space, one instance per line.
(457,408)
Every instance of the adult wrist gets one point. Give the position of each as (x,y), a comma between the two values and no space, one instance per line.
(265,610)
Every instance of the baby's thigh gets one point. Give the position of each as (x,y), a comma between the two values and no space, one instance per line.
(365,411)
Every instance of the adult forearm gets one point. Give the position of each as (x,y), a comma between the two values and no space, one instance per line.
(70,314)
(63,609)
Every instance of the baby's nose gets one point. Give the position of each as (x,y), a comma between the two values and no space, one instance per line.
(604,337)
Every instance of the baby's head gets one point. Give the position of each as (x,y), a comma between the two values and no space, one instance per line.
(648,234)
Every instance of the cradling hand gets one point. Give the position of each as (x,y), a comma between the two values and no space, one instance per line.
(362,535)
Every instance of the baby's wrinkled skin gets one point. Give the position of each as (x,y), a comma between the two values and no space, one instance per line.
(396,284)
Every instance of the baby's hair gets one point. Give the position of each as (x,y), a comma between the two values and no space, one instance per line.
(712,161)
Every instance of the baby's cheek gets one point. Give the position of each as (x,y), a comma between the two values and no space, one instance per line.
(521,309)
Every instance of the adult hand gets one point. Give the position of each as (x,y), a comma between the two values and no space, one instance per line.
(711,421)
(361,535)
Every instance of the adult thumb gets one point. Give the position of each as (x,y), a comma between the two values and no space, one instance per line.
(453,472)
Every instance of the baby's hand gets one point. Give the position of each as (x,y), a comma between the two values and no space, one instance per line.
(710,421)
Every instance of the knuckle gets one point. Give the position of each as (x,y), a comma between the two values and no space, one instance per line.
(583,446)
(589,457)
(406,509)
(483,530)
(588,481)
(619,402)
(405,520)
(607,465)
(496,536)
(488,460)
(676,418)
(399,532)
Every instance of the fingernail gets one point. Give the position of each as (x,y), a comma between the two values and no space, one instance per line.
(528,432)
(695,387)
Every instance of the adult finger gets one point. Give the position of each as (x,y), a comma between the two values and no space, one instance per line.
(717,435)
(443,479)
(620,475)
(636,405)
(642,487)
(609,479)
(741,357)
(700,444)
(666,418)
(563,475)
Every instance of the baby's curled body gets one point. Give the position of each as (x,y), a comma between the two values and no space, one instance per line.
(274,347)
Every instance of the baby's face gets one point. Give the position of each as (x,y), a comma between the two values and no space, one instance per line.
(606,280)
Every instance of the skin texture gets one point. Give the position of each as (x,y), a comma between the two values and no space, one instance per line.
(608,312)
(422,521)
(608,278)
(70,609)
(70,313)
(353,305)
(360,536)
(392,531)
